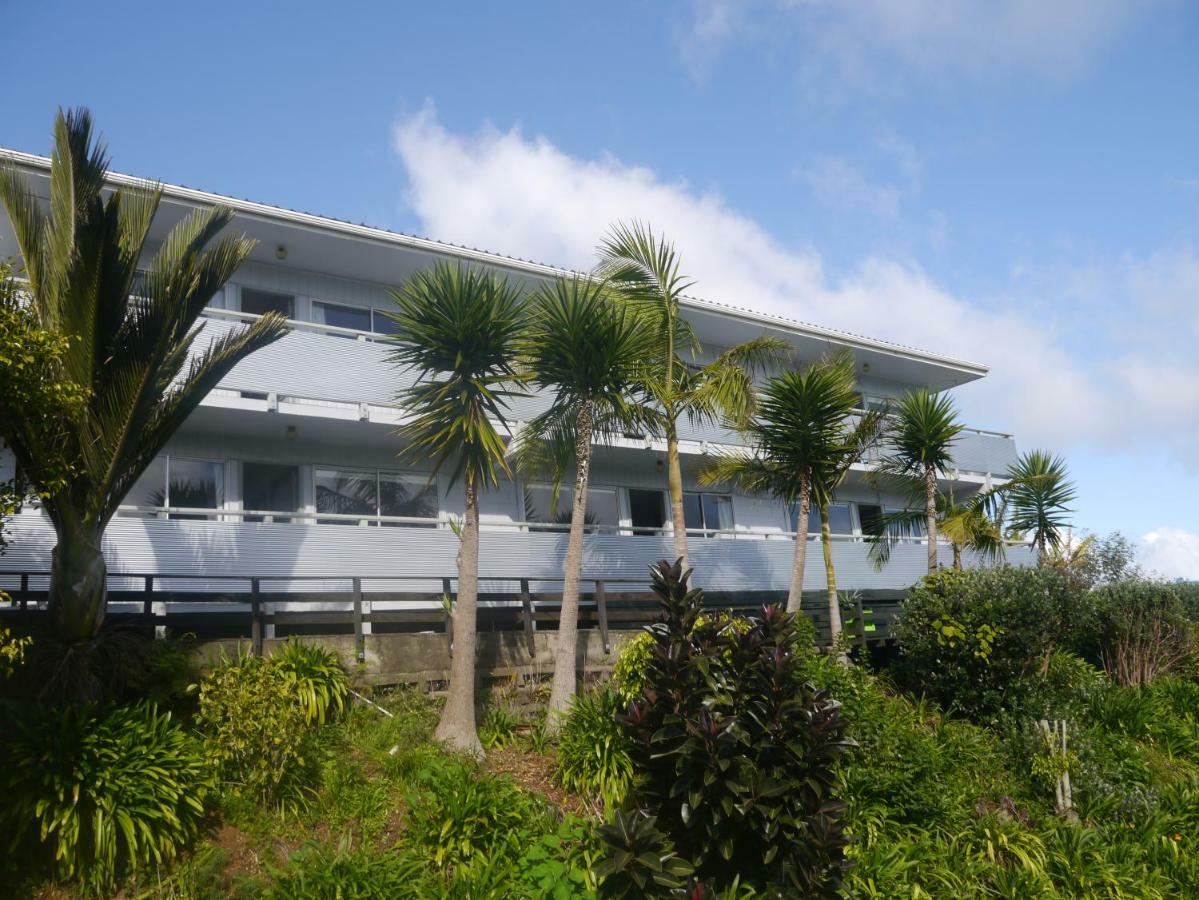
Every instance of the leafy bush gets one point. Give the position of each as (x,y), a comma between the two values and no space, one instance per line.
(99,794)
(593,752)
(315,678)
(315,872)
(456,815)
(638,859)
(1142,630)
(255,730)
(629,670)
(970,639)
(735,753)
(498,728)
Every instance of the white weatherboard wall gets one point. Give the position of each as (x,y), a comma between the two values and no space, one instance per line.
(198,548)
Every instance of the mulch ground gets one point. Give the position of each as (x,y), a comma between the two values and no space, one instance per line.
(534,772)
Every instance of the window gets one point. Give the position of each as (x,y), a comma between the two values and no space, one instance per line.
(381,323)
(412,496)
(647,509)
(369,493)
(708,511)
(339,316)
(913,529)
(602,508)
(179,482)
(258,302)
(269,487)
(870,517)
(839,519)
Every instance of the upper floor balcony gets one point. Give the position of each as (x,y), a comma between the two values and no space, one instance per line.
(338,372)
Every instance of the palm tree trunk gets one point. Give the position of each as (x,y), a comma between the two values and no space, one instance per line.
(566,651)
(930,515)
(674,475)
(457,726)
(78,584)
(795,594)
(830,574)
(957,557)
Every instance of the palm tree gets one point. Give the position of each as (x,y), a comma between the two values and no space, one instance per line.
(585,350)
(132,357)
(975,524)
(458,327)
(645,268)
(920,438)
(1040,499)
(796,432)
(853,444)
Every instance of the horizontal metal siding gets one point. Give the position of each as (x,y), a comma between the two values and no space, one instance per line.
(149,546)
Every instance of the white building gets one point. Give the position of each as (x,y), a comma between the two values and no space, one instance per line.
(289,468)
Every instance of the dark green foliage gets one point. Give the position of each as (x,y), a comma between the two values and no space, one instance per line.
(96,794)
(638,859)
(315,679)
(970,639)
(593,751)
(1142,630)
(735,753)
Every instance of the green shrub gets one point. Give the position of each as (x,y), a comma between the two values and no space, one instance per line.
(638,860)
(316,680)
(735,753)
(498,728)
(970,640)
(629,670)
(593,752)
(315,872)
(255,731)
(1142,631)
(98,794)
(456,814)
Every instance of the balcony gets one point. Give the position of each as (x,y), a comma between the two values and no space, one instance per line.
(342,373)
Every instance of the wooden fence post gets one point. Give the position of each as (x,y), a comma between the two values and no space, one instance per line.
(861,614)
(24,590)
(526,615)
(359,639)
(148,604)
(601,612)
(255,619)
(449,615)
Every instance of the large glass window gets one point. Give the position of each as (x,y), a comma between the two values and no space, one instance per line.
(647,509)
(270,488)
(258,302)
(840,521)
(603,512)
(870,517)
(339,316)
(381,323)
(411,496)
(708,511)
(173,481)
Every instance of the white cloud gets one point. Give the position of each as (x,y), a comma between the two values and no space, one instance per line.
(522,195)
(874,43)
(1171,553)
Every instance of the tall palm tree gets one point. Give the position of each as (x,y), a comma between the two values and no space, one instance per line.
(458,327)
(796,433)
(853,444)
(645,268)
(131,356)
(920,438)
(585,350)
(1040,499)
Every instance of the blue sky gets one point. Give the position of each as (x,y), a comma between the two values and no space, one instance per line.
(1011,181)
